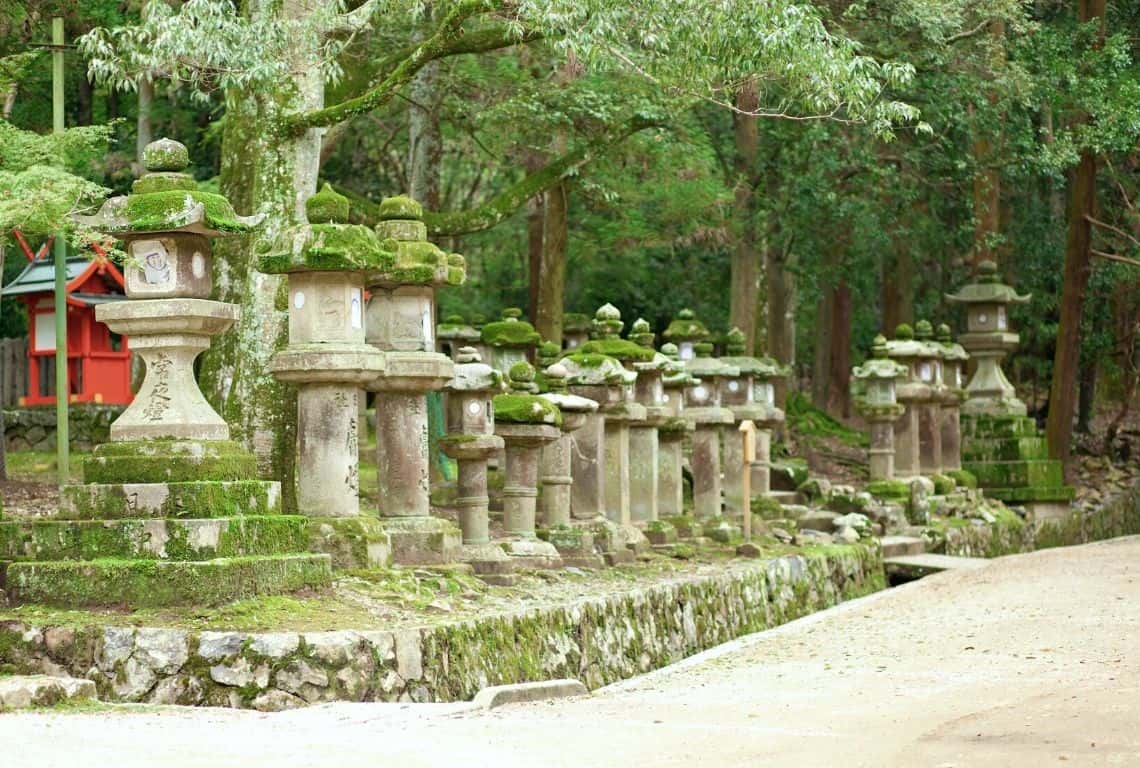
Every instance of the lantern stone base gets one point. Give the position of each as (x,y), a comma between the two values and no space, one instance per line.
(533,553)
(489,562)
(575,544)
(661,533)
(1010,460)
(194,499)
(423,540)
(352,542)
(169,461)
(158,583)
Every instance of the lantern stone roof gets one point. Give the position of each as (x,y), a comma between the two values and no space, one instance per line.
(473,375)
(521,405)
(454,327)
(576,322)
(987,289)
(950,349)
(557,377)
(595,370)
(511,332)
(763,368)
(167,199)
(418,261)
(329,243)
(704,365)
(879,366)
(686,327)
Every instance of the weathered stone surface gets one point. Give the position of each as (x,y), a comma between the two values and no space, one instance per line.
(24,692)
(275,645)
(240,674)
(276,701)
(500,695)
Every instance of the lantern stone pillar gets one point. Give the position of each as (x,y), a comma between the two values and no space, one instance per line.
(400,321)
(874,386)
(180,513)
(526,422)
(912,393)
(644,439)
(470,393)
(954,358)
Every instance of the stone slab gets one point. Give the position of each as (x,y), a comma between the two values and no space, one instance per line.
(897,546)
(521,693)
(194,499)
(917,566)
(158,583)
(28,691)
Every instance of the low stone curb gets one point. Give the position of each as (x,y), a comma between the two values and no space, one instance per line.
(521,693)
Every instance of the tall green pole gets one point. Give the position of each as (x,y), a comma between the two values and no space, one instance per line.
(62,391)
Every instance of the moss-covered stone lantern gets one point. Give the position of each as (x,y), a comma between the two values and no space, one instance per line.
(470,395)
(751,397)
(510,339)
(704,409)
(526,422)
(453,334)
(873,385)
(327,357)
(954,358)
(671,437)
(171,511)
(686,331)
(929,368)
(400,321)
(913,394)
(576,329)
(574,543)
(644,439)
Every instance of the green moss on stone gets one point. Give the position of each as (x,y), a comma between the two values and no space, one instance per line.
(510,333)
(620,349)
(526,409)
(400,207)
(889,489)
(172,209)
(327,206)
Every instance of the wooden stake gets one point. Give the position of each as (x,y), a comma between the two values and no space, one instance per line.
(748,435)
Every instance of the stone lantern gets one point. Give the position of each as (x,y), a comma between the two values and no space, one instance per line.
(548,354)
(988,339)
(644,441)
(913,393)
(526,422)
(954,357)
(751,396)
(686,331)
(1001,446)
(929,366)
(671,437)
(604,380)
(327,356)
(453,334)
(575,330)
(703,407)
(622,416)
(574,542)
(510,340)
(470,394)
(180,515)
(874,383)
(400,321)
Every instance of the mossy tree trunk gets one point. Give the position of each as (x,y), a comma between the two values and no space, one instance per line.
(269,171)
(781,283)
(1078,267)
(425,141)
(552,271)
(744,279)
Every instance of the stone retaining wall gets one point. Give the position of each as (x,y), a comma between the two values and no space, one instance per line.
(33,429)
(598,641)
(1120,516)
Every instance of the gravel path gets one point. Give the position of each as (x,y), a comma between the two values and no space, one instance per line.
(1030,661)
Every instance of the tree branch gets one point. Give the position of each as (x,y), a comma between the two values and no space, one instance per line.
(507,202)
(1110,228)
(1114,257)
(449,39)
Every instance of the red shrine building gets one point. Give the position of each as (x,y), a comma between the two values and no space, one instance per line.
(98,361)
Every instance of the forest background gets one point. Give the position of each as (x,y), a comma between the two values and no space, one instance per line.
(811,172)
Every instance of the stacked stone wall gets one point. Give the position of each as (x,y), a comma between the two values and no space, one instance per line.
(33,429)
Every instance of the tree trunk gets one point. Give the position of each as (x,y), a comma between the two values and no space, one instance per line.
(1078,266)
(781,315)
(552,270)
(1087,393)
(743,292)
(3,438)
(898,287)
(425,151)
(271,172)
(839,359)
(820,370)
(535,213)
(143,129)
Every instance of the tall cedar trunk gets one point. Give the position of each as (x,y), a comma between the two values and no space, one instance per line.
(143,129)
(425,152)
(820,378)
(3,439)
(552,270)
(1087,392)
(781,281)
(1082,205)
(839,361)
(271,172)
(898,286)
(743,291)
(987,179)
(535,213)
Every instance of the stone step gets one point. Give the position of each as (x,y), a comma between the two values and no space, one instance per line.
(27,691)
(817,520)
(1005,449)
(908,567)
(1012,474)
(898,546)
(168,461)
(153,538)
(201,499)
(1029,494)
(783,497)
(159,583)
